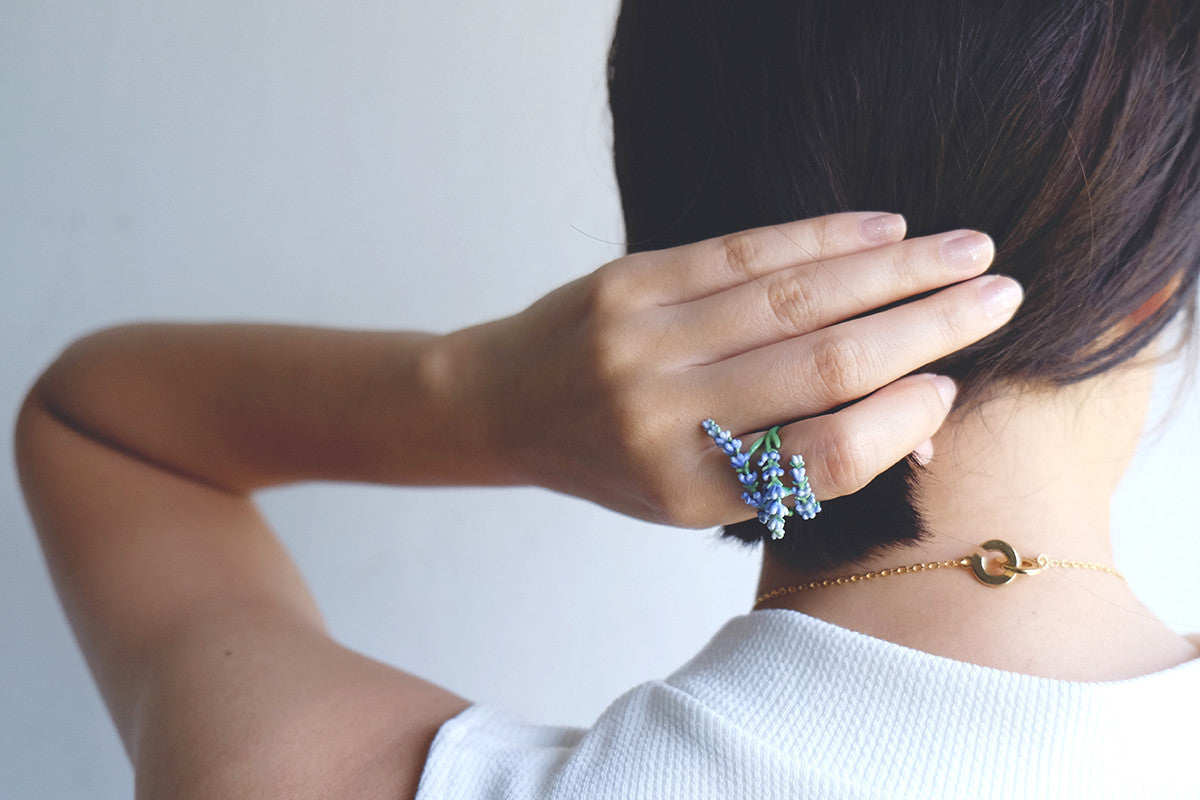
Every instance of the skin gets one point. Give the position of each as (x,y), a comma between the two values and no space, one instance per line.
(1037,469)
(140,448)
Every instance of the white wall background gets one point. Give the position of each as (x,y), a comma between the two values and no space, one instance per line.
(373,164)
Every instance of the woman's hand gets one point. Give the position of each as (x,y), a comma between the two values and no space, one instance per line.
(599,389)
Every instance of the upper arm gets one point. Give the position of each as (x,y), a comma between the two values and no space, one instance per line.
(203,638)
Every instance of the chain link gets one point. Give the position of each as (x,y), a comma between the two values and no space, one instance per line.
(1092,565)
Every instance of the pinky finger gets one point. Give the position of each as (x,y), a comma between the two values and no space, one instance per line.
(844,451)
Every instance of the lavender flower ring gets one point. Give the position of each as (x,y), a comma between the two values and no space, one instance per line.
(768,500)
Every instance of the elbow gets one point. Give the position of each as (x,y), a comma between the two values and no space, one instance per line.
(86,382)
(77,370)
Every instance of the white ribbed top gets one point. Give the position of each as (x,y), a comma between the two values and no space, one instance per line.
(783,705)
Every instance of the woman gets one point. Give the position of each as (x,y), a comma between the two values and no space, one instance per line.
(1068,131)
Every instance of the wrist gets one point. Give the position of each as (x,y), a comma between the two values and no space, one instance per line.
(460,374)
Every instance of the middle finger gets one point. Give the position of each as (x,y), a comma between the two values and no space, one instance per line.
(796,301)
(812,374)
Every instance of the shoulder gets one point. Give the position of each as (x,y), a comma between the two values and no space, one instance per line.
(653,739)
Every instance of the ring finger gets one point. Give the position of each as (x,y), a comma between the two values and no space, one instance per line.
(844,451)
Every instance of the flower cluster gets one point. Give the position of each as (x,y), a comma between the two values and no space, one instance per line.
(806,502)
(763,490)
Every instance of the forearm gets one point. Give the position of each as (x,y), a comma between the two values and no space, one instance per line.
(246,406)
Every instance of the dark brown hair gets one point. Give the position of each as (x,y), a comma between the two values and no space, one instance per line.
(1069,131)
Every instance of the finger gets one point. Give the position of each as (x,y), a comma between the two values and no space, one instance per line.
(844,451)
(798,300)
(812,374)
(697,270)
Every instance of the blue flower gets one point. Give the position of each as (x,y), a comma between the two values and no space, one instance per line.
(777,491)
(775,508)
(807,507)
(776,527)
(753,499)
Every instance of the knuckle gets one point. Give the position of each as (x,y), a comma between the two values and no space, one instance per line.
(839,366)
(609,341)
(742,253)
(611,370)
(910,262)
(602,351)
(610,291)
(952,321)
(793,304)
(612,378)
(845,463)
(825,237)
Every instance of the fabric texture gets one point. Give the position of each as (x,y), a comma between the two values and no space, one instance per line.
(783,705)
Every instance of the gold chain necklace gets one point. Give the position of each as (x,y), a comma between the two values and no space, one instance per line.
(1010,565)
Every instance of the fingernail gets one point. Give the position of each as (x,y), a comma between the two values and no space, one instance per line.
(946,388)
(924,452)
(969,251)
(885,228)
(1000,295)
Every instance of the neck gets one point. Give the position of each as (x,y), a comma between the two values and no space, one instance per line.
(1037,469)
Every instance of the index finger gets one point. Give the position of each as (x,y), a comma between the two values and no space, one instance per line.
(694,271)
